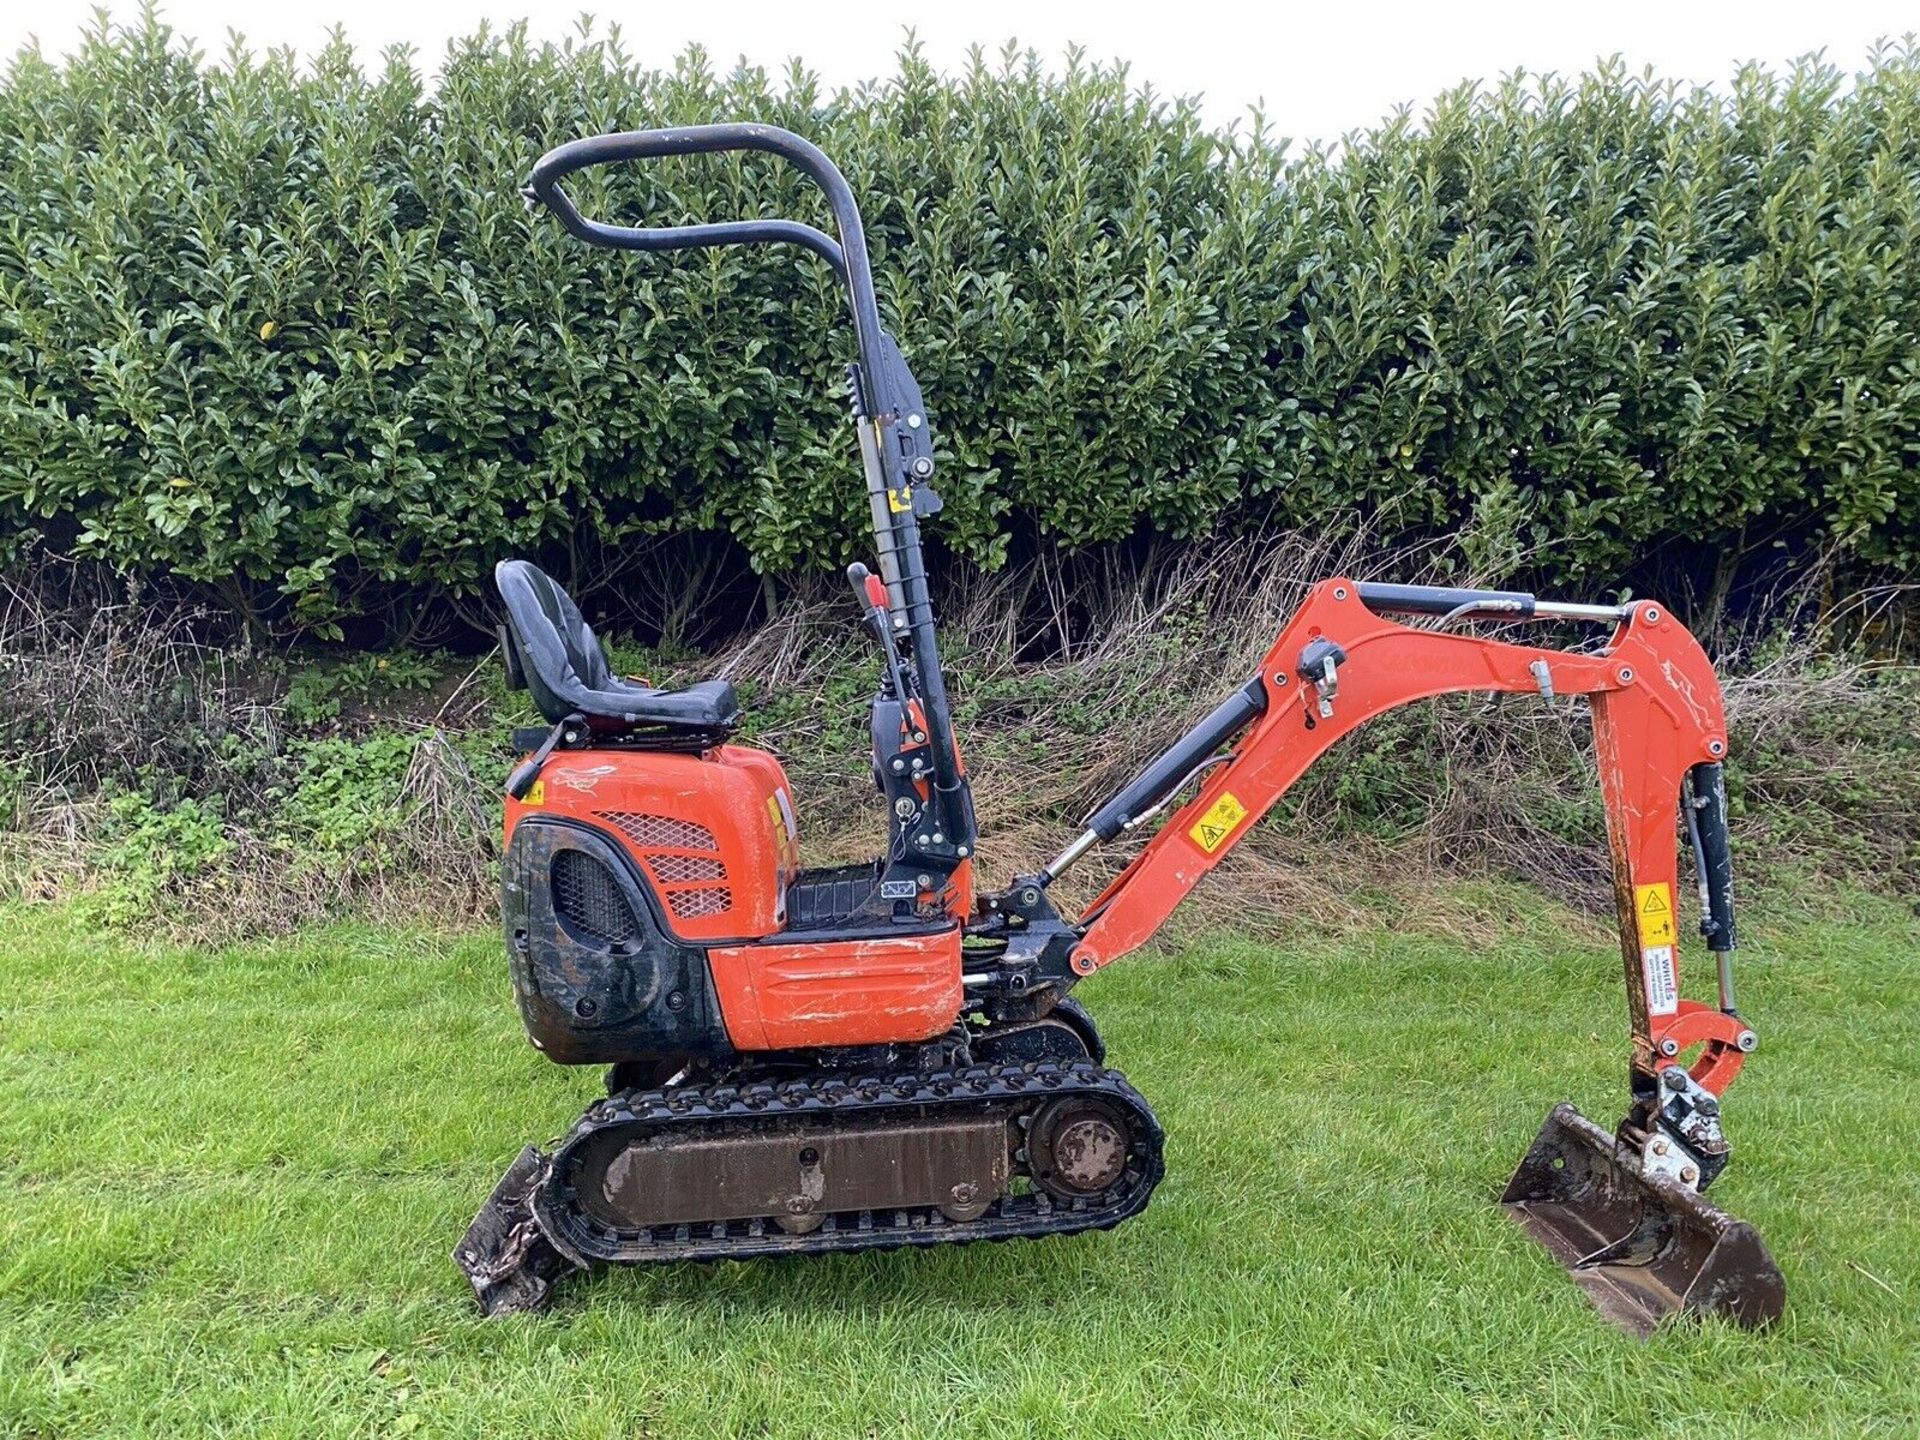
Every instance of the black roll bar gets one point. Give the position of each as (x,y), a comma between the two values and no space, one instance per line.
(847,255)
(889,396)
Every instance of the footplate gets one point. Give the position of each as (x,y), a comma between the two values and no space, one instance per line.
(1642,1244)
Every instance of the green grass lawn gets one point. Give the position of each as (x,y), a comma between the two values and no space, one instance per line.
(229,1184)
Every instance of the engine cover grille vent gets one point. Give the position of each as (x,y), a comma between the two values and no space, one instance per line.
(691,904)
(679,869)
(693,885)
(660,832)
(587,897)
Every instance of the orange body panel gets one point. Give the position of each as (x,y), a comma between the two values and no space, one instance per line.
(714,833)
(839,992)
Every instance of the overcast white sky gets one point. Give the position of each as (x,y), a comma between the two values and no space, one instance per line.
(1322,68)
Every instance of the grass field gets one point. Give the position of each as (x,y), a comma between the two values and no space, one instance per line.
(229,1183)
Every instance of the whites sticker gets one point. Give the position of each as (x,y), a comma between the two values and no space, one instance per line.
(1663,992)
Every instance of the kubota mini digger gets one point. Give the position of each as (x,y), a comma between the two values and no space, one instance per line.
(805,1061)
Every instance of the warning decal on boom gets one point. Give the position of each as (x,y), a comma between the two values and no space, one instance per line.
(1653,905)
(1220,821)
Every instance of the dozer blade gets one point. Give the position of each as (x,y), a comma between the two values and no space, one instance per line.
(504,1254)
(1642,1246)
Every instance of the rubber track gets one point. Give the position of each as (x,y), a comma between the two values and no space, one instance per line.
(711,1110)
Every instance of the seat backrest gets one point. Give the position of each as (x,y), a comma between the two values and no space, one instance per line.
(559,653)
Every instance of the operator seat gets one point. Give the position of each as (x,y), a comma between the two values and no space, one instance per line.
(554,652)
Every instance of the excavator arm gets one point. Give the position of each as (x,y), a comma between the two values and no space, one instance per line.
(1659,733)
(1622,1211)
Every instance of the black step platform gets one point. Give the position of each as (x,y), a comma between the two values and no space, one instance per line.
(825,899)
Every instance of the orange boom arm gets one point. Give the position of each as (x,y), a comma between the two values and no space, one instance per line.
(1657,713)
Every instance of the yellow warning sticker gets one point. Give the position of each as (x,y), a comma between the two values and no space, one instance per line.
(1220,821)
(900,500)
(536,793)
(1653,904)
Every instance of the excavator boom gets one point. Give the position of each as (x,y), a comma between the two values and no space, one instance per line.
(1624,1212)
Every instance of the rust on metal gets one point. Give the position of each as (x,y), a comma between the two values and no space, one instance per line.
(1077,1147)
(796,1174)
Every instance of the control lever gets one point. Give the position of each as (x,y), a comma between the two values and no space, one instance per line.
(871,591)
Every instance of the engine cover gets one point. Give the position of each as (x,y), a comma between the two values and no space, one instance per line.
(598,978)
(712,834)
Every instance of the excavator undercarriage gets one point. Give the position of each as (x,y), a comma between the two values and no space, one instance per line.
(818,1166)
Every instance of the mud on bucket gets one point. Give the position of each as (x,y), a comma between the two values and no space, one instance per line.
(1642,1246)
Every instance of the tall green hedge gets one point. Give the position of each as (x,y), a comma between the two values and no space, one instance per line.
(288,331)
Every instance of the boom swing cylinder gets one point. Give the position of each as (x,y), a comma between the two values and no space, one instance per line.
(810,1061)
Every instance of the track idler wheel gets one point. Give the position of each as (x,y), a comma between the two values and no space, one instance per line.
(1077,1148)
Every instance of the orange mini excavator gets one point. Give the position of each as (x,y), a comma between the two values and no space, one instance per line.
(811,1061)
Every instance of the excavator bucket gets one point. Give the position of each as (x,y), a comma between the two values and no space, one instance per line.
(1643,1246)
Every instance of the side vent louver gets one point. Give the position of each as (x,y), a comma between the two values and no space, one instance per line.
(587,897)
(682,859)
